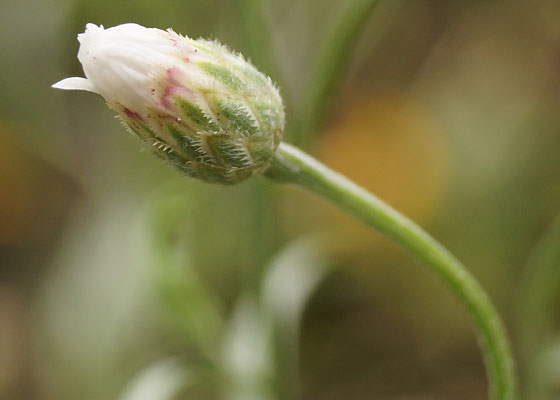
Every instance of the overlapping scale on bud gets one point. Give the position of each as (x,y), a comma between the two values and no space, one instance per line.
(197,105)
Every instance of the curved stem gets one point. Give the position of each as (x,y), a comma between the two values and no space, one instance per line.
(333,58)
(291,165)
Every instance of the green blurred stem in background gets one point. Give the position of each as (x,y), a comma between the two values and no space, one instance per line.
(255,32)
(332,61)
(293,166)
(537,298)
(256,36)
(539,291)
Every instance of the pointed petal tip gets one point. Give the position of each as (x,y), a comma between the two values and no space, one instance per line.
(74,83)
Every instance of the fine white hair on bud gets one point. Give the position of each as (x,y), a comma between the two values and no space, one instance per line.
(206,110)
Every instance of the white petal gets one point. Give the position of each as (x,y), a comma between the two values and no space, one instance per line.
(75,83)
(128,63)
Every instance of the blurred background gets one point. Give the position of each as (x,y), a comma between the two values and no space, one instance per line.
(120,279)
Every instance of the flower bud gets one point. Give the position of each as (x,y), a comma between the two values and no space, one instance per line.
(199,106)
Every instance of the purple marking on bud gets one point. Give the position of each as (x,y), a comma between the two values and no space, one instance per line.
(173,87)
(166,97)
(133,114)
(181,44)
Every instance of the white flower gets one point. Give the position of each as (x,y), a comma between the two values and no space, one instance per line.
(206,110)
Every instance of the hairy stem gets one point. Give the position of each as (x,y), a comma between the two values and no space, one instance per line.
(291,165)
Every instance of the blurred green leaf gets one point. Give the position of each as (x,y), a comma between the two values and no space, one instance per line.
(160,381)
(537,312)
(291,279)
(545,374)
(247,353)
(193,306)
(287,287)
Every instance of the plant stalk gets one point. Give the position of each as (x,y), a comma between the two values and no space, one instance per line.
(291,165)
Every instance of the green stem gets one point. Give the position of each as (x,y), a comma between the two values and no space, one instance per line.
(291,165)
(333,59)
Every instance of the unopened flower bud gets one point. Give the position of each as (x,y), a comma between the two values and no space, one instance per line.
(199,106)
